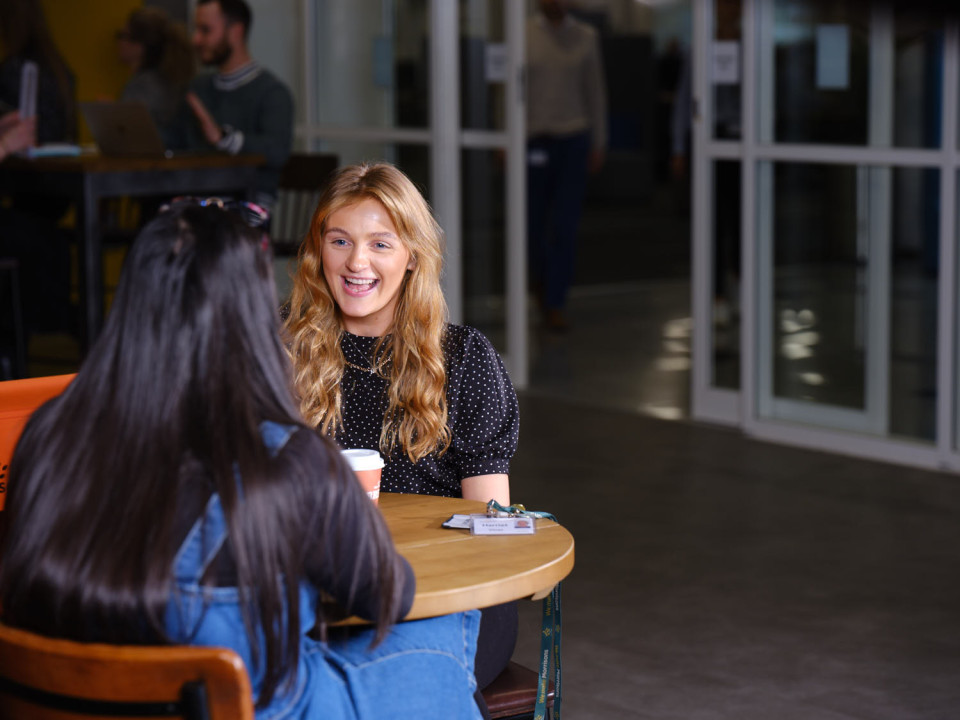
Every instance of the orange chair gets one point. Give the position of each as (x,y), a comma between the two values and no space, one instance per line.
(46,679)
(18,400)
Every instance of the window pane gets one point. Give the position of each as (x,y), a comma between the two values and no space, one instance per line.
(483,62)
(919,71)
(915,289)
(855,289)
(821,57)
(727,66)
(855,73)
(726,274)
(818,322)
(372,63)
(484,220)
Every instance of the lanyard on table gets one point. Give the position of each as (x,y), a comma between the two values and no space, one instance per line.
(550,630)
(494,508)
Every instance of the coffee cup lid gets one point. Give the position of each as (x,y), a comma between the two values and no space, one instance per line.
(361,459)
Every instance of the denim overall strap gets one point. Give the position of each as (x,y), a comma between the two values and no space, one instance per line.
(275,435)
(202,543)
(209,532)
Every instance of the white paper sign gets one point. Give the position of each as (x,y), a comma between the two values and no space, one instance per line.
(495,62)
(726,63)
(833,57)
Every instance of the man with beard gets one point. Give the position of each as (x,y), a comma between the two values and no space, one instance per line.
(242,107)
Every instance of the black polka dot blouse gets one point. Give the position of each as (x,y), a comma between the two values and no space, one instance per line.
(482,414)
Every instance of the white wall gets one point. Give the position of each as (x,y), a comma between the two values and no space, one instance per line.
(275,41)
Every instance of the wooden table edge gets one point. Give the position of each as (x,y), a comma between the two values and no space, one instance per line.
(536,585)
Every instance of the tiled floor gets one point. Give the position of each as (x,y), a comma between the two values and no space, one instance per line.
(628,348)
(719,578)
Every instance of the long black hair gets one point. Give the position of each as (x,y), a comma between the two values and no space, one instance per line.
(188,365)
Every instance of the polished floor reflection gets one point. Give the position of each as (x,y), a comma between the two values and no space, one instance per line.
(720,578)
(628,347)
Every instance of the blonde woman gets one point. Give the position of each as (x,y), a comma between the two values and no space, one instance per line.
(378,366)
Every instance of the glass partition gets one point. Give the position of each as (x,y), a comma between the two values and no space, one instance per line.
(851,335)
(726,274)
(372,63)
(484,250)
(483,65)
(855,73)
(726,62)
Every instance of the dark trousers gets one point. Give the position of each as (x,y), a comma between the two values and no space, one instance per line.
(495,644)
(556,184)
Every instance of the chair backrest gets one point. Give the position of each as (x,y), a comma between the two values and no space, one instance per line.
(45,679)
(301,183)
(18,400)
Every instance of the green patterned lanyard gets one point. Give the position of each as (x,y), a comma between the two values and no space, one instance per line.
(550,627)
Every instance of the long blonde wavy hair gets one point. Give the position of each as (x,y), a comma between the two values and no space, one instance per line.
(411,356)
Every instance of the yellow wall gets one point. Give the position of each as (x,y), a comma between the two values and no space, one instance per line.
(84,31)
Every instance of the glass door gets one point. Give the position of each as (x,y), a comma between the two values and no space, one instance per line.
(719,264)
(845,191)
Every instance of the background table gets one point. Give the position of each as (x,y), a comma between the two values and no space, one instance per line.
(86,179)
(458,571)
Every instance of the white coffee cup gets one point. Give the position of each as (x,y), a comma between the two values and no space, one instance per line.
(367,465)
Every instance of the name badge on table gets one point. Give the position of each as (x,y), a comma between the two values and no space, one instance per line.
(482,524)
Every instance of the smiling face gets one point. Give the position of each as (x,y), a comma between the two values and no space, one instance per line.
(212,35)
(364,263)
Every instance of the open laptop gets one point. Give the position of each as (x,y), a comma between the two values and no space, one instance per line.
(123,129)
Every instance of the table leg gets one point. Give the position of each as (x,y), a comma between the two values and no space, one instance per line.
(91,271)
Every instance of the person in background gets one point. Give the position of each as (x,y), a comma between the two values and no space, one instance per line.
(566,140)
(379,367)
(242,107)
(24,35)
(206,516)
(29,229)
(158,53)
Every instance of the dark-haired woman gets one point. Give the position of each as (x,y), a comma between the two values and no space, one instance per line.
(28,223)
(158,53)
(25,36)
(173,494)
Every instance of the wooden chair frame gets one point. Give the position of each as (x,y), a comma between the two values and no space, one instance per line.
(49,679)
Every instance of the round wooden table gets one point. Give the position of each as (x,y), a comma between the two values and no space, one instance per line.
(458,571)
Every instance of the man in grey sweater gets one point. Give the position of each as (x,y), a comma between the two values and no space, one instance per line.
(242,107)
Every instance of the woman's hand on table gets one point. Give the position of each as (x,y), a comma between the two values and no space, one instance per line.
(208,126)
(487,487)
(16,134)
